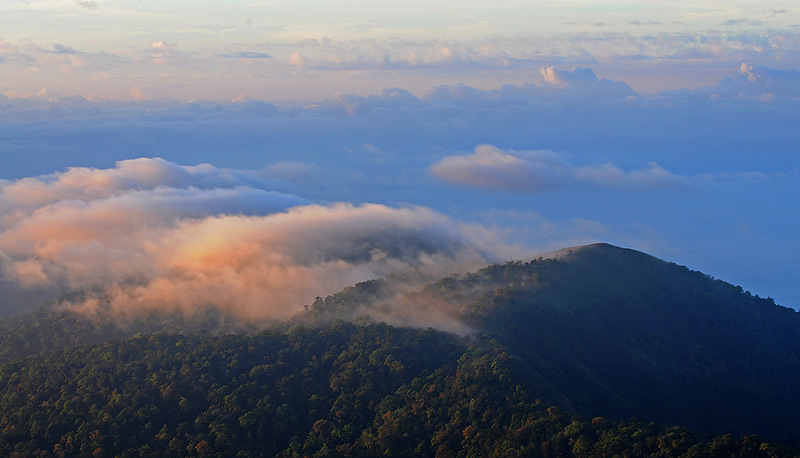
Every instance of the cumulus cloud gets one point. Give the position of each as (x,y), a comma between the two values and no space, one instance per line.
(585,80)
(298,60)
(763,80)
(543,170)
(151,234)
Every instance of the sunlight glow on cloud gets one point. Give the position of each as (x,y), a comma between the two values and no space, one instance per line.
(732,144)
(150,234)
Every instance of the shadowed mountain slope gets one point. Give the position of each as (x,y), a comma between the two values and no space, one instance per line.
(610,331)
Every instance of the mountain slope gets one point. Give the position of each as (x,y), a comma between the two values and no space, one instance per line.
(599,330)
(342,391)
(622,333)
(610,331)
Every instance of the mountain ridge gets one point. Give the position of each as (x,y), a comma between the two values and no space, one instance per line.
(612,331)
(595,329)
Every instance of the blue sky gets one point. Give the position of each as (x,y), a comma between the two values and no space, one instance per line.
(343,140)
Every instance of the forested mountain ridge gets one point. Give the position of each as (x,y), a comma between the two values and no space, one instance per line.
(351,391)
(51,327)
(611,331)
(597,330)
(623,333)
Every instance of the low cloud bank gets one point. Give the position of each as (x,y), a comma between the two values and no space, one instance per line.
(544,170)
(150,234)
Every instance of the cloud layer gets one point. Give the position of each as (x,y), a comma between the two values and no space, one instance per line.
(731,145)
(172,66)
(151,234)
(545,170)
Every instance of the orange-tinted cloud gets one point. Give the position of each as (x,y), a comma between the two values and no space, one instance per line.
(150,234)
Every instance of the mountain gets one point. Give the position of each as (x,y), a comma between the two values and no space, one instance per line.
(345,390)
(623,333)
(609,331)
(601,332)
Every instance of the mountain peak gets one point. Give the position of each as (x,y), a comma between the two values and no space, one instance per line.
(648,338)
(601,247)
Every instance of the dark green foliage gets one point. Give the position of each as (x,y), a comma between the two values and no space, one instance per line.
(618,333)
(345,391)
(607,332)
(614,332)
(51,328)
(261,392)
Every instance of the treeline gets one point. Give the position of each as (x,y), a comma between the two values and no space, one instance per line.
(52,327)
(342,391)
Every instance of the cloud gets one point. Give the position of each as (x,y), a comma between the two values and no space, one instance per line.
(247,55)
(743,21)
(607,176)
(637,22)
(334,55)
(492,168)
(160,52)
(151,234)
(298,60)
(142,93)
(584,80)
(89,5)
(762,80)
(655,60)
(61,49)
(750,82)
(578,76)
(316,149)
(544,170)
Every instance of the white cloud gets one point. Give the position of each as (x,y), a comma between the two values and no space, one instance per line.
(608,176)
(517,171)
(544,170)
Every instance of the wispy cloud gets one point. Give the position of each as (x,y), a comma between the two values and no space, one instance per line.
(545,170)
(89,5)
(247,55)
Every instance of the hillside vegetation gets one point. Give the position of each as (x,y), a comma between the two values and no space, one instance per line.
(343,391)
(609,331)
(559,355)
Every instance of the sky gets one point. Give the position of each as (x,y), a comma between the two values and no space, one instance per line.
(255,154)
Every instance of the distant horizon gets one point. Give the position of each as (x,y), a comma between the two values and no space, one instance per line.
(279,51)
(222,151)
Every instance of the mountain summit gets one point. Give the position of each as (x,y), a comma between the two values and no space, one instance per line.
(611,331)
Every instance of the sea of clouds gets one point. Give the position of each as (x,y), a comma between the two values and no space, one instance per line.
(260,207)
